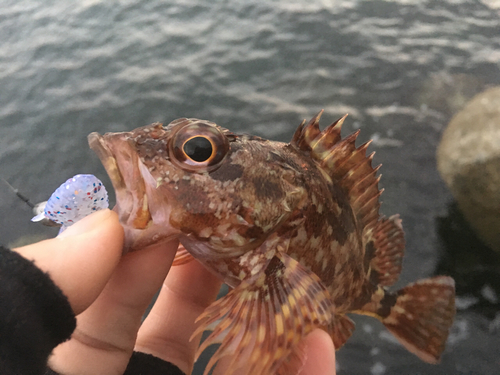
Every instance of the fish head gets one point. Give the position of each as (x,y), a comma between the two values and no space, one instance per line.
(195,181)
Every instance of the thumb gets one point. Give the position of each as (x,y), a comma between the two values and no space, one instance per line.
(81,260)
(319,354)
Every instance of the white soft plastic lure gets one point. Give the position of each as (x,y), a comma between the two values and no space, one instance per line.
(78,197)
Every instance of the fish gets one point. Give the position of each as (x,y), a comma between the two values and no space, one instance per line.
(74,199)
(293,229)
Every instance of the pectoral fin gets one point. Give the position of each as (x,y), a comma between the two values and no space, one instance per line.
(182,256)
(264,318)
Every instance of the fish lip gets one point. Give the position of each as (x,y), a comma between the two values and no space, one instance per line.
(104,147)
(132,204)
(99,146)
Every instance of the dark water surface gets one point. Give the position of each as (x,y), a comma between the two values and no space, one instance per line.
(399,68)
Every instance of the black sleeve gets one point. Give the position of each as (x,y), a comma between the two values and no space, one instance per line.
(35,317)
(146,364)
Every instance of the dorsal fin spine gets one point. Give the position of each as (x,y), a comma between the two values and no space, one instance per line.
(368,212)
(364,179)
(364,147)
(346,164)
(336,155)
(296,136)
(365,182)
(311,129)
(367,191)
(328,137)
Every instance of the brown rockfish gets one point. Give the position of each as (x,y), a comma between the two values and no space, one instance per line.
(294,229)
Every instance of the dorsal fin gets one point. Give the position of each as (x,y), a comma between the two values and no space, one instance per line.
(345,163)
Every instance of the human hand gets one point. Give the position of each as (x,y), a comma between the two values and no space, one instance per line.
(109,293)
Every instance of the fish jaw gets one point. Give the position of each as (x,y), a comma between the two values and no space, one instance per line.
(144,222)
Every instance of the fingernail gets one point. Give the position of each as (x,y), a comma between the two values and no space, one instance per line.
(87,224)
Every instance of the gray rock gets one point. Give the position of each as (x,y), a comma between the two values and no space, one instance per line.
(468,160)
(448,93)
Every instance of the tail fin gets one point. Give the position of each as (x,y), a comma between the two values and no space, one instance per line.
(421,316)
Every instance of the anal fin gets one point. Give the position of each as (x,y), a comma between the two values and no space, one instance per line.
(264,318)
(422,315)
(340,329)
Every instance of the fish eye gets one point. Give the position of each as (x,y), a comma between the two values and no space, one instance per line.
(198,147)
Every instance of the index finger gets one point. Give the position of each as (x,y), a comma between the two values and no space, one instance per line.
(186,292)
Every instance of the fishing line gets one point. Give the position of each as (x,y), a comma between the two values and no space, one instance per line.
(21,196)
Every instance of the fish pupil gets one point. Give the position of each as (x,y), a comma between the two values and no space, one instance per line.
(198,149)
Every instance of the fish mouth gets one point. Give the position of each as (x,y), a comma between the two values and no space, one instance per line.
(133,203)
(98,144)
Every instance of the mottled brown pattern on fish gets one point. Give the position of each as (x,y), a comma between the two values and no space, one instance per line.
(293,228)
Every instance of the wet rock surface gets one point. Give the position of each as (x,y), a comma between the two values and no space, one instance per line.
(448,93)
(469,161)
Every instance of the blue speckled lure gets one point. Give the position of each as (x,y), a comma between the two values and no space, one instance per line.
(78,197)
